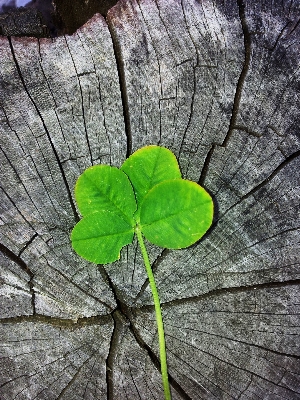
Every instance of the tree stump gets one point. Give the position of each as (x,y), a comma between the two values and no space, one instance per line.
(218,84)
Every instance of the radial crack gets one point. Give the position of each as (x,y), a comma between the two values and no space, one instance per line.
(82,104)
(76,217)
(225,290)
(123,318)
(18,260)
(122,81)
(240,83)
(59,322)
(155,360)
(27,244)
(265,181)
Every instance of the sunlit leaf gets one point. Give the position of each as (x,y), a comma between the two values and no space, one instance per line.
(99,237)
(149,166)
(105,188)
(148,197)
(171,212)
(176,213)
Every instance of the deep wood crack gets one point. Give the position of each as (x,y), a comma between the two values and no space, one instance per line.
(241,80)
(222,291)
(76,216)
(124,319)
(82,105)
(59,322)
(122,82)
(18,260)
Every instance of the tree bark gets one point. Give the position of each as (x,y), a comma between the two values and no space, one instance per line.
(215,82)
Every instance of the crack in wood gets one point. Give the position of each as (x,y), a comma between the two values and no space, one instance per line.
(232,364)
(224,290)
(154,47)
(53,98)
(109,362)
(76,216)
(107,306)
(18,260)
(182,361)
(63,323)
(246,387)
(25,189)
(27,244)
(279,353)
(6,120)
(132,378)
(206,165)
(247,130)
(276,171)
(254,244)
(241,80)
(61,394)
(82,103)
(122,81)
(191,114)
(278,37)
(123,319)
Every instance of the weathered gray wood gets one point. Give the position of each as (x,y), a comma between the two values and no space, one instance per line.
(217,83)
(132,372)
(16,298)
(47,360)
(237,344)
(60,113)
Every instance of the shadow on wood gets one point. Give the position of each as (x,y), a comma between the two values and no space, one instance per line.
(48,18)
(215,82)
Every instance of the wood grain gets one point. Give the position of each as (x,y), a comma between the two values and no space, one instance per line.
(217,83)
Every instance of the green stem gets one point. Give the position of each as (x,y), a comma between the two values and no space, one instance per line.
(158,314)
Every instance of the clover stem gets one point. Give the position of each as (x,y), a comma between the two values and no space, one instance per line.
(158,314)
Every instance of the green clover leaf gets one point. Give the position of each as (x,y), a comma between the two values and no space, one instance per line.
(176,213)
(146,197)
(149,166)
(148,190)
(106,200)
(105,188)
(99,236)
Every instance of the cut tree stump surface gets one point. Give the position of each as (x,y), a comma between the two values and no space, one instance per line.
(218,84)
